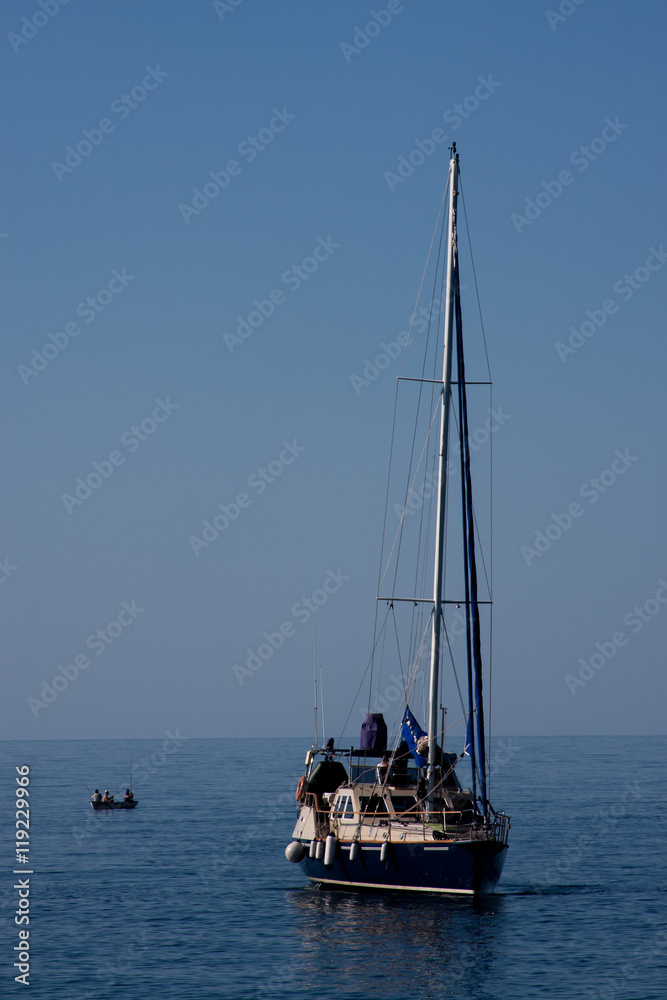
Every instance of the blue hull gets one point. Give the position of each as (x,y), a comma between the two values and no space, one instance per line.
(469,867)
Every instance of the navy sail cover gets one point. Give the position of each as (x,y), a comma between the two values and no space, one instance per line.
(374,732)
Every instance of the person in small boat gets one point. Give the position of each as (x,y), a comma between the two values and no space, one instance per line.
(106,798)
(96,797)
(129,797)
(382,769)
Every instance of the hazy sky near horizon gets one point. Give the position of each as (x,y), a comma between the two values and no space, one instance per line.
(216,214)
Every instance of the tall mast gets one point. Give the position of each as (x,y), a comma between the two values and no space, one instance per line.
(442,480)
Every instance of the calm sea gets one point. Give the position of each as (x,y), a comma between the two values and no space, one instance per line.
(190,895)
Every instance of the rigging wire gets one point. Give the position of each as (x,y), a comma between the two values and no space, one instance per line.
(474,275)
(393,435)
(421,285)
(368,665)
(398,645)
(407,694)
(405,506)
(426,459)
(420,394)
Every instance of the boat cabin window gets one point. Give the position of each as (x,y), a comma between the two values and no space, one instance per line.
(344,806)
(363,772)
(373,805)
(405,805)
(401,777)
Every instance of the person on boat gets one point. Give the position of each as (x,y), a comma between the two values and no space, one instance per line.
(382,769)
(129,797)
(96,797)
(106,798)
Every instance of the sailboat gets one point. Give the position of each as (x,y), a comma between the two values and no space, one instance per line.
(397,817)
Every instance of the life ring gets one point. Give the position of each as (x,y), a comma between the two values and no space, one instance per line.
(301,789)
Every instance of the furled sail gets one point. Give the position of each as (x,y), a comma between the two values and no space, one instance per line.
(475,747)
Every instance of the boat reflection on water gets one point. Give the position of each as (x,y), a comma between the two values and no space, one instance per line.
(391,945)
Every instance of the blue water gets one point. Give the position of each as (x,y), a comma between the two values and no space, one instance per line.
(190,896)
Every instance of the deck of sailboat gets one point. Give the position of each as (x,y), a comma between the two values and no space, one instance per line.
(372,813)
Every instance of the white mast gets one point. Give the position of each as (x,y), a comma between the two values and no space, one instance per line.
(442,480)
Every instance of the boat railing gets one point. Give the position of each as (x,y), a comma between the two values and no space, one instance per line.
(501,827)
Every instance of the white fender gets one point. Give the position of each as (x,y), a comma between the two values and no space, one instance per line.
(330,850)
(354,850)
(384,851)
(313,848)
(295,851)
(319,850)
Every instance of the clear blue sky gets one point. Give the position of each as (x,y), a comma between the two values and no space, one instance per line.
(313,117)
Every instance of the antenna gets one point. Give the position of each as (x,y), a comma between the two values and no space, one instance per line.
(324,731)
(315,668)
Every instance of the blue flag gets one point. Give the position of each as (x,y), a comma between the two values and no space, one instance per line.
(411,733)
